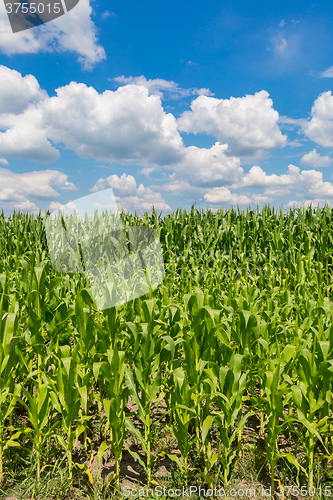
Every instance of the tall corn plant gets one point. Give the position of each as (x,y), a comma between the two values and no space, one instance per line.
(229,418)
(183,414)
(65,395)
(312,398)
(110,376)
(9,340)
(143,380)
(38,406)
(276,383)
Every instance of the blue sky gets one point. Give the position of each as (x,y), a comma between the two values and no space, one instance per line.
(212,103)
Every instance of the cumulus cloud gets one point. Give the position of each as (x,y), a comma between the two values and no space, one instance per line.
(305,185)
(17,91)
(55,205)
(25,137)
(73,32)
(176,186)
(316,160)
(129,196)
(309,203)
(130,126)
(125,185)
(305,181)
(16,189)
(126,125)
(162,87)
(208,166)
(257,177)
(224,195)
(320,127)
(249,124)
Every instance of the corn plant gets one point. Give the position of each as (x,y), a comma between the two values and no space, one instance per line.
(37,405)
(66,399)
(229,418)
(276,395)
(312,398)
(245,313)
(110,375)
(183,414)
(8,393)
(144,382)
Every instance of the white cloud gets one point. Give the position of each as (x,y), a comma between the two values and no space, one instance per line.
(17,91)
(281,46)
(248,124)
(16,189)
(261,198)
(306,185)
(305,182)
(316,160)
(127,125)
(291,123)
(224,195)
(295,144)
(21,204)
(257,177)
(285,44)
(147,171)
(208,166)
(320,127)
(73,32)
(328,73)
(108,13)
(25,137)
(177,187)
(129,196)
(278,192)
(161,87)
(130,126)
(55,205)
(125,185)
(309,203)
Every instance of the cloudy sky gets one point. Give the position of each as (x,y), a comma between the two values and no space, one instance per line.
(169,104)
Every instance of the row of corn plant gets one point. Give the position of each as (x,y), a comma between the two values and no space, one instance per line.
(240,331)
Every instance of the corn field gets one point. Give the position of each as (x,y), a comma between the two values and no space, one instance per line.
(239,336)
